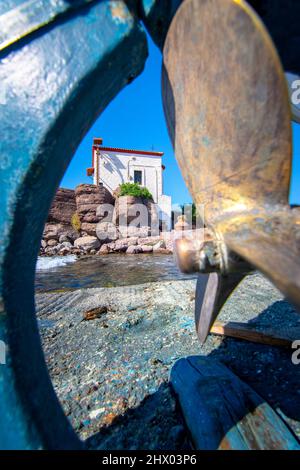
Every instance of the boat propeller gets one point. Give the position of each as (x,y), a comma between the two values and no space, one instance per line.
(227,108)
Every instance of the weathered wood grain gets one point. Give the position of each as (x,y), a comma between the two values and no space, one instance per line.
(250,333)
(224,413)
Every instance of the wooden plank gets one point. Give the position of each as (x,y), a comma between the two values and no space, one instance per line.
(222,412)
(250,333)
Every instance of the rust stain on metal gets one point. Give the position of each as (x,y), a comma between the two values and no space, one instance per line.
(225,444)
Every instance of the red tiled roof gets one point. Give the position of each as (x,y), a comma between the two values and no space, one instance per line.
(137,152)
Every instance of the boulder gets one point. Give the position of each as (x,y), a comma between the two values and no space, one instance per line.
(163,251)
(132,241)
(87,243)
(144,215)
(134,249)
(93,194)
(51,242)
(51,231)
(159,245)
(71,234)
(51,236)
(147,248)
(133,232)
(148,240)
(63,207)
(111,246)
(63,238)
(88,229)
(50,250)
(107,231)
(64,251)
(104,250)
(169,244)
(89,199)
(121,245)
(66,245)
(55,231)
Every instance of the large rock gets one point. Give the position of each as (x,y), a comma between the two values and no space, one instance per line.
(107,231)
(51,242)
(56,231)
(136,232)
(131,241)
(63,207)
(59,222)
(87,243)
(158,246)
(88,229)
(50,250)
(134,249)
(121,245)
(148,240)
(104,250)
(147,248)
(89,199)
(131,210)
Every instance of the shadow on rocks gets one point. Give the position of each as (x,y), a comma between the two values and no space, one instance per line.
(157,423)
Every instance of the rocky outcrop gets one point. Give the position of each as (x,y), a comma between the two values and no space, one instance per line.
(58,228)
(59,232)
(63,207)
(134,245)
(132,250)
(75,224)
(88,199)
(131,208)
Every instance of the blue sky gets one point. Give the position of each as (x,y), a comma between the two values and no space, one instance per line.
(135,119)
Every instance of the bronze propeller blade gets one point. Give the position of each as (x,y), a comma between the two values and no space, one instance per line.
(228,113)
(212,291)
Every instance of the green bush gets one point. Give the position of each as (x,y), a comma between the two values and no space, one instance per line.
(134,189)
(75,222)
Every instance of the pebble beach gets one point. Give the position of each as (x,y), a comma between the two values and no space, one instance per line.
(110,370)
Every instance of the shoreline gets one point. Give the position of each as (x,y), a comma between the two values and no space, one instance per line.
(71,273)
(111,372)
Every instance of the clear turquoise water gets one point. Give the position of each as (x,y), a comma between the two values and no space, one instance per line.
(105,271)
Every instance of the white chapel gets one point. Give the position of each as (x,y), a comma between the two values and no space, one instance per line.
(114,166)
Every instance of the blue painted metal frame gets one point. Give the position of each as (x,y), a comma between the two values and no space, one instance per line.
(58,72)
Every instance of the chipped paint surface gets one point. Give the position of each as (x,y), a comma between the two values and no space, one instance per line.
(74,80)
(119,12)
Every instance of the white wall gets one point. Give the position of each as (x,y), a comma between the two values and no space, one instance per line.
(117,168)
(165,207)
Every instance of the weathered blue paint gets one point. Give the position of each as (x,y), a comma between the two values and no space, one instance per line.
(157,16)
(61,62)
(222,412)
(19,18)
(54,83)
